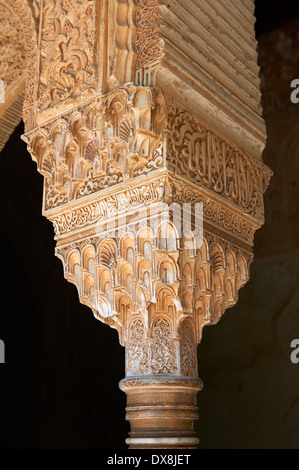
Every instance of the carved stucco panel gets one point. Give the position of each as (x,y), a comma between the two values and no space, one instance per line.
(18,43)
(12,47)
(149,44)
(67,48)
(188,350)
(201,156)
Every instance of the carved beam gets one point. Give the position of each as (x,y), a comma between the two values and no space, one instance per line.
(147,128)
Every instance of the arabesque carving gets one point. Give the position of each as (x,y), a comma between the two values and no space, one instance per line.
(66,51)
(149,43)
(115,138)
(21,10)
(12,47)
(131,276)
(188,349)
(18,47)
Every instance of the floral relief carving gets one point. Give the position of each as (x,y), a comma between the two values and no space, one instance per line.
(66,51)
(188,350)
(35,6)
(137,348)
(149,44)
(151,356)
(12,47)
(163,353)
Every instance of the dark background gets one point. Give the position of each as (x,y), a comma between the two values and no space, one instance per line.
(59,386)
(272,14)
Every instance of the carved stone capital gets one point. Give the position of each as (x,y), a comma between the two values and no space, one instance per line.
(114,171)
(151,155)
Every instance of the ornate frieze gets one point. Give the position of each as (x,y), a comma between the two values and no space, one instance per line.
(158,189)
(220,215)
(112,206)
(201,156)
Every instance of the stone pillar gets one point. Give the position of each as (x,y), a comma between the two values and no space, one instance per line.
(161,381)
(162,411)
(146,124)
